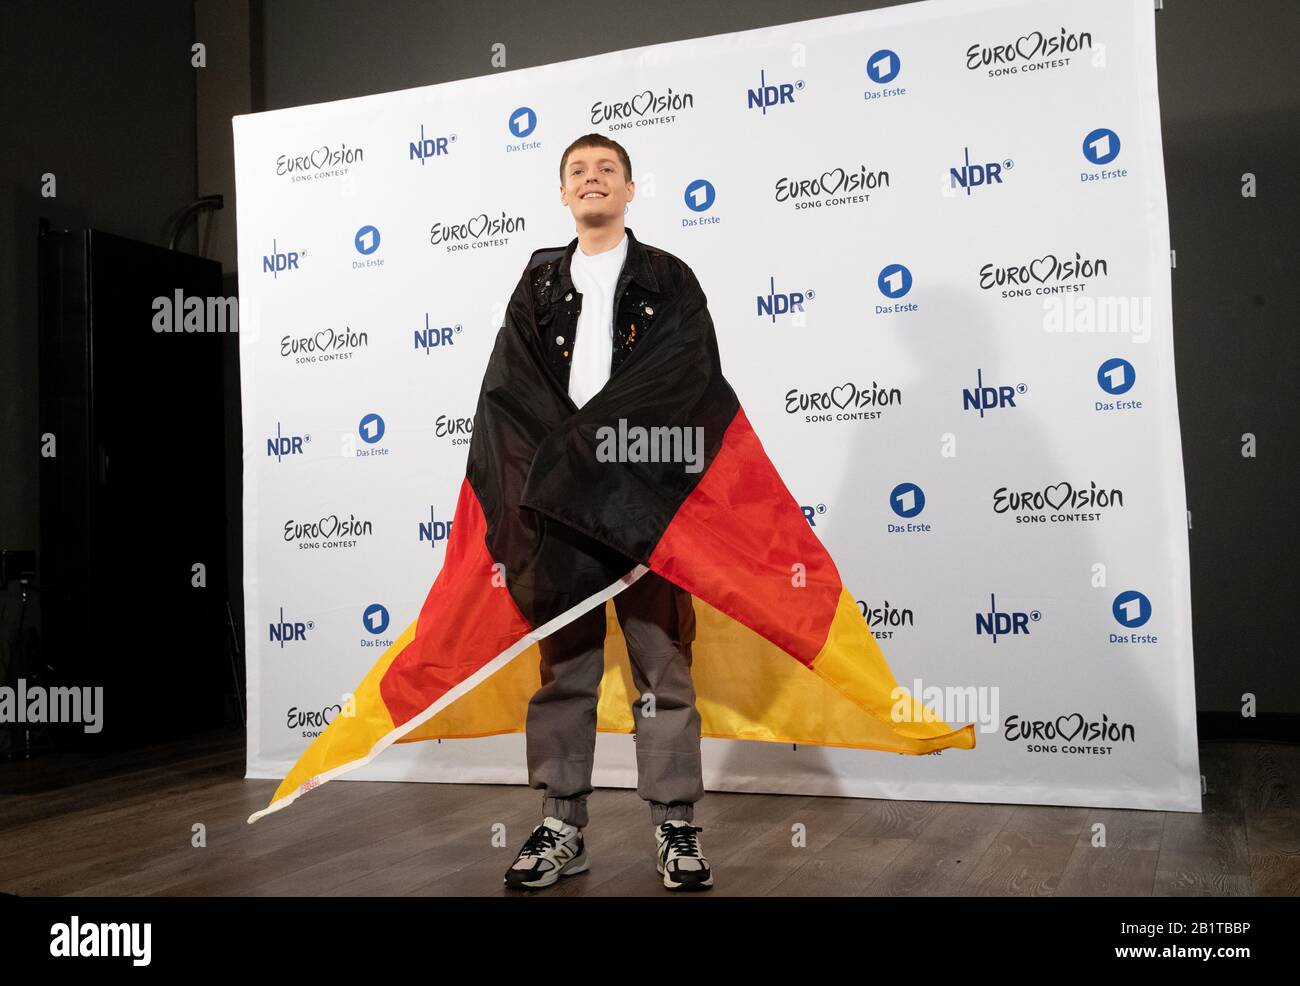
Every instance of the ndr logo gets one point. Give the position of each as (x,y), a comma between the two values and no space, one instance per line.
(981,398)
(997,623)
(285,632)
(772,95)
(433,530)
(429,147)
(433,337)
(278,262)
(775,303)
(810,513)
(282,444)
(970,176)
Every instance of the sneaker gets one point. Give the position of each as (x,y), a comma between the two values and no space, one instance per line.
(554,849)
(680,861)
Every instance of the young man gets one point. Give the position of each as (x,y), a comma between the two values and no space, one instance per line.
(593,301)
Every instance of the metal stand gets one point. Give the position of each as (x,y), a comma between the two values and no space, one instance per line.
(20,659)
(236,658)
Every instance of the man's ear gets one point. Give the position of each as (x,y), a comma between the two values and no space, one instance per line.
(631,190)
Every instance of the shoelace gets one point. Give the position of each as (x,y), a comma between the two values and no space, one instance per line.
(542,838)
(680,840)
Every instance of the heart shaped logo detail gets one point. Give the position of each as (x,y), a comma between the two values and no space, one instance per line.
(850,394)
(1078,728)
(1058,495)
(1049,261)
(1037,36)
(329,338)
(831,188)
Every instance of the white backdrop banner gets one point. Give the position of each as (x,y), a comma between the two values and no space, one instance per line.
(935,244)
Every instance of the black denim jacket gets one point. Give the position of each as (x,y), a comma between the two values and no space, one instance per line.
(650,278)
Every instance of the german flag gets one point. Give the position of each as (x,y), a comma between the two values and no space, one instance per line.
(561,508)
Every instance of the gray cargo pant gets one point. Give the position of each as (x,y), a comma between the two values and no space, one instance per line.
(658,622)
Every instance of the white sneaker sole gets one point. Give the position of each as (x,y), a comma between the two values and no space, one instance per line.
(672,884)
(578,864)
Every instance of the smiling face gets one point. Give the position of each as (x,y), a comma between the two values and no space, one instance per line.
(595,188)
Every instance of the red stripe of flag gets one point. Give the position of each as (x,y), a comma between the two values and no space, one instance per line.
(465,622)
(726,546)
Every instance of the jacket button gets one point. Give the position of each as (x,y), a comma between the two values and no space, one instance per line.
(559,340)
(649,310)
(569,296)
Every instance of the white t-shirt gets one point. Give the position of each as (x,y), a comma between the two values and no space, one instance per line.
(595,277)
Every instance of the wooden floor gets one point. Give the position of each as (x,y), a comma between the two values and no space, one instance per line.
(128,831)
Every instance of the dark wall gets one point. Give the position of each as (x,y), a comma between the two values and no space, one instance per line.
(1230,106)
(318,51)
(102,97)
